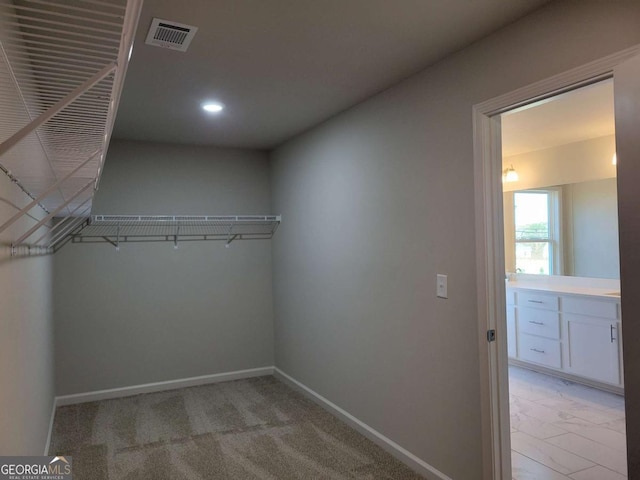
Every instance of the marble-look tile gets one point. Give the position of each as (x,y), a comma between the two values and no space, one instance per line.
(536,427)
(557,425)
(617,425)
(524,468)
(522,380)
(596,452)
(619,409)
(574,408)
(597,397)
(600,400)
(548,454)
(537,410)
(597,473)
(598,433)
(529,390)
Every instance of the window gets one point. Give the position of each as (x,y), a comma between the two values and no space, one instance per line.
(536,214)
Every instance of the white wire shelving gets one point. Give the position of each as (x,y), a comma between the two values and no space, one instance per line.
(116,229)
(62,68)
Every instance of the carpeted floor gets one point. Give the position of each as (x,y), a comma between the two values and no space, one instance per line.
(246,429)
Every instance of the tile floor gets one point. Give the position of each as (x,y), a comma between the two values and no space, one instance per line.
(561,430)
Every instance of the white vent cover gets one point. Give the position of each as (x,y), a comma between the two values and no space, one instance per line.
(173,35)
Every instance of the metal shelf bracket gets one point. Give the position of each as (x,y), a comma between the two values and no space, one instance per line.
(175,228)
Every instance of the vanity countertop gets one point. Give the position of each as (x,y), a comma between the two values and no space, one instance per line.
(554,287)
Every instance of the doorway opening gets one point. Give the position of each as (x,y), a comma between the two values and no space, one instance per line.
(624,68)
(564,347)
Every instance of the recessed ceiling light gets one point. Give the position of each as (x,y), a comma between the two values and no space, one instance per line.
(212,107)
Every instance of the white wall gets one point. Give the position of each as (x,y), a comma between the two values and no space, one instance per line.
(26,336)
(150,313)
(378,200)
(571,163)
(26,319)
(594,228)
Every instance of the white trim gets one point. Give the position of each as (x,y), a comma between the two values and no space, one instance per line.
(586,74)
(494,380)
(50,433)
(161,386)
(386,443)
(490,249)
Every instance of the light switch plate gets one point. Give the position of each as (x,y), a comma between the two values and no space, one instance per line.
(441,285)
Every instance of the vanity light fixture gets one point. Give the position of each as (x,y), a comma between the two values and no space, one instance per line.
(510,174)
(614,159)
(212,107)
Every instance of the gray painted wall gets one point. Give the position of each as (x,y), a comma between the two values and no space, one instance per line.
(380,199)
(26,337)
(594,228)
(150,313)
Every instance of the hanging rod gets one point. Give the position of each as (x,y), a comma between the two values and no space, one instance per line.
(116,229)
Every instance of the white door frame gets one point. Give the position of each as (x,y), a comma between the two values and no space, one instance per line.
(494,387)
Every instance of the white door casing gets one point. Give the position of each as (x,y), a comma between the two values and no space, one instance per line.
(490,247)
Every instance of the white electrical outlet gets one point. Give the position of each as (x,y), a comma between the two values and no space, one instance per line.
(441,285)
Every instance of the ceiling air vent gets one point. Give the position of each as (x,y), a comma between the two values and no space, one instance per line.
(173,35)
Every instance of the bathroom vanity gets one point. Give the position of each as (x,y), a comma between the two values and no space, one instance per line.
(570,330)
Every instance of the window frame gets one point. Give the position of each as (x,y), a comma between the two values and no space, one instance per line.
(555,238)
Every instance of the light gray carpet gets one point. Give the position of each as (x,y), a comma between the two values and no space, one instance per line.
(256,428)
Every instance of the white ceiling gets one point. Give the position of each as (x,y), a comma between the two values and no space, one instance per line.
(283,66)
(572,117)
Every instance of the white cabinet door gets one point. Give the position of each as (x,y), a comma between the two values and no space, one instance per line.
(593,348)
(512,339)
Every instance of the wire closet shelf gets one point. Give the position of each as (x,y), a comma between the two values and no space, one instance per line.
(115,229)
(62,68)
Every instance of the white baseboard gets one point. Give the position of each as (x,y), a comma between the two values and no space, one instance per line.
(53,416)
(160,386)
(387,444)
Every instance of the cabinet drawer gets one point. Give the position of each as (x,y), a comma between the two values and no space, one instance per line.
(548,302)
(535,321)
(540,350)
(587,306)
